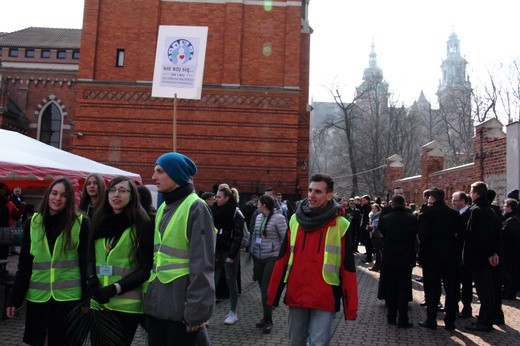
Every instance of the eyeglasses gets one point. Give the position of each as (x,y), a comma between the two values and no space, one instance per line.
(120,190)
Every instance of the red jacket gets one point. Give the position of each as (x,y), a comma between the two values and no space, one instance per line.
(305,286)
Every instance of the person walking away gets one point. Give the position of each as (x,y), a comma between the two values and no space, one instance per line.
(317,265)
(399,230)
(268,235)
(438,229)
(181,293)
(52,267)
(480,254)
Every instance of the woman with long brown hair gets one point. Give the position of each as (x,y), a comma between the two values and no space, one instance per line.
(120,256)
(51,267)
(92,194)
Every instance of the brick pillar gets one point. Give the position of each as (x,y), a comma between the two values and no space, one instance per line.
(394,171)
(488,138)
(432,160)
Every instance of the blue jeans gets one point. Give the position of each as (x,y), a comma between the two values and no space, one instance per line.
(231,271)
(309,327)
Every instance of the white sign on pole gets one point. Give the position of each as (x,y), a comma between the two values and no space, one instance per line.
(179,61)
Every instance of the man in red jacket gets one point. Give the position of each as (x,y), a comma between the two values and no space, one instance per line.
(317,264)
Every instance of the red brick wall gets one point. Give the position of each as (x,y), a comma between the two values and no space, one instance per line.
(461,177)
(42,87)
(251,126)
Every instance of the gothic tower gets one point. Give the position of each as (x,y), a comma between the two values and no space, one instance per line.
(454,96)
(372,94)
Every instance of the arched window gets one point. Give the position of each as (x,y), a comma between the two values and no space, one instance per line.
(51,125)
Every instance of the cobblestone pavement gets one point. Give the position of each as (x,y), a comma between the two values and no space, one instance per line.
(369,329)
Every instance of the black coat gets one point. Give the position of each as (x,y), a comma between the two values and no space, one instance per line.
(481,236)
(399,229)
(353,215)
(511,238)
(438,229)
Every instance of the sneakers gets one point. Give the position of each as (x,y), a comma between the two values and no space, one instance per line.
(231,318)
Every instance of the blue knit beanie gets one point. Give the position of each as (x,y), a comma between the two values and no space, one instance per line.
(179,168)
(513,194)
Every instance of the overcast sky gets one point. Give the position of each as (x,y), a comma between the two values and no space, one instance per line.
(409,37)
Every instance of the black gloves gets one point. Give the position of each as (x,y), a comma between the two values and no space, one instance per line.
(104,294)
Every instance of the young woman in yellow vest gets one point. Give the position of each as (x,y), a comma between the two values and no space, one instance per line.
(120,255)
(92,194)
(51,267)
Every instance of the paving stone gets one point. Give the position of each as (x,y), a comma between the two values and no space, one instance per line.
(369,329)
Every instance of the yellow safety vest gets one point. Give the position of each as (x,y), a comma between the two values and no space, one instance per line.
(119,261)
(332,254)
(57,275)
(171,250)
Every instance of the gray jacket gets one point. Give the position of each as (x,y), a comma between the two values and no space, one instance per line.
(268,245)
(190,298)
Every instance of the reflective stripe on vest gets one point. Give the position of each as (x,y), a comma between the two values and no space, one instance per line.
(332,254)
(171,255)
(57,275)
(120,259)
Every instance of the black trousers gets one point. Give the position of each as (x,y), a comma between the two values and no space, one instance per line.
(511,276)
(466,291)
(484,286)
(435,273)
(398,289)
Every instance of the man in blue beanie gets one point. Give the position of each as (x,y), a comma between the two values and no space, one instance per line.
(181,291)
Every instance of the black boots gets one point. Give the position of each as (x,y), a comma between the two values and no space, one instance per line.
(266,323)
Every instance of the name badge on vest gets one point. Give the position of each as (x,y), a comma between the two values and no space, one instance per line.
(105,270)
(258,240)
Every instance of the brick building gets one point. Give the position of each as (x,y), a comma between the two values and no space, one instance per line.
(495,162)
(38,70)
(251,127)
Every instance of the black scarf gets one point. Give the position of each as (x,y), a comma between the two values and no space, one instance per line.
(177,194)
(113,226)
(311,219)
(224,216)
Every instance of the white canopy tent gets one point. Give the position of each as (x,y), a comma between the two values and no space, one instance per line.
(26,162)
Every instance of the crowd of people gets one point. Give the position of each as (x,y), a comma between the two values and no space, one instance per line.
(116,256)
(471,242)
(98,270)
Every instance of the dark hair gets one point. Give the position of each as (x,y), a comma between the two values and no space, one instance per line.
(427,193)
(84,197)
(398,201)
(207,195)
(437,194)
(512,203)
(490,195)
(70,214)
(325,178)
(480,188)
(463,196)
(268,201)
(145,198)
(133,212)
